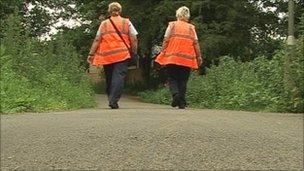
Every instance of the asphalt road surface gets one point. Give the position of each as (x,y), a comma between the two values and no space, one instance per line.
(141,136)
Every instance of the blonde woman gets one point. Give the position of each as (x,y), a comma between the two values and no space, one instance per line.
(116,39)
(180,54)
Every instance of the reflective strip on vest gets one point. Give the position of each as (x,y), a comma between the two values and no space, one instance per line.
(182,55)
(112,52)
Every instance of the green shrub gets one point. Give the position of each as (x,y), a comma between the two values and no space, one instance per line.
(298,76)
(15,90)
(40,76)
(231,85)
(254,86)
(160,96)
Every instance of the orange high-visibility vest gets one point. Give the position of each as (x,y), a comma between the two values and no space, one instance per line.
(180,49)
(111,48)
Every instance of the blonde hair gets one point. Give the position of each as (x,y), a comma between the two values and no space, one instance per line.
(183,13)
(114,8)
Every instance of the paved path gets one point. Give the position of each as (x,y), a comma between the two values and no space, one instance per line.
(151,137)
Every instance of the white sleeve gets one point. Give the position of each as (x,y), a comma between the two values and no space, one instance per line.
(195,35)
(168,31)
(132,30)
(99,31)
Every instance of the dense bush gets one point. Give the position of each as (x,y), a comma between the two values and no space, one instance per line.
(255,86)
(40,76)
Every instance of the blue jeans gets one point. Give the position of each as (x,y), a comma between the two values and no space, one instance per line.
(115,80)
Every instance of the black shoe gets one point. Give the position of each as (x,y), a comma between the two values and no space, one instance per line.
(114,106)
(182,106)
(175,101)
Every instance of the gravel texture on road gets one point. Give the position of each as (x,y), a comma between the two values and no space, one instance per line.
(142,136)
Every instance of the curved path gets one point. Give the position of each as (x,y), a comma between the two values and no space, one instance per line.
(151,137)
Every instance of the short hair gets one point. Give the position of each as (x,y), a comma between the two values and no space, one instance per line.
(114,8)
(183,13)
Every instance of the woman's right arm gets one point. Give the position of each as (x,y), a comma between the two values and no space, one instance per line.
(94,46)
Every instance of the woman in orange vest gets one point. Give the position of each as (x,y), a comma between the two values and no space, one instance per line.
(116,39)
(180,54)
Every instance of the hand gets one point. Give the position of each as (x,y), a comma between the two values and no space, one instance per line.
(90,59)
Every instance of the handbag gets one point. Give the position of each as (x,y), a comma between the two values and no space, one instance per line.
(134,57)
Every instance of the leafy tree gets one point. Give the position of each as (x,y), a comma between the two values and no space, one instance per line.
(238,28)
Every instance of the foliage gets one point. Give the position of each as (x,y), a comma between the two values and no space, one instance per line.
(235,27)
(37,16)
(38,76)
(231,27)
(243,34)
(297,71)
(160,96)
(238,29)
(255,86)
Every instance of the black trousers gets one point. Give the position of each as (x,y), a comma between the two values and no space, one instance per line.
(115,80)
(177,77)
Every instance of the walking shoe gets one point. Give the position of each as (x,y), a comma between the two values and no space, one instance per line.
(114,106)
(175,101)
(181,106)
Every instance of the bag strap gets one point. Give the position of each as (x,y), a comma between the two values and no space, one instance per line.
(119,34)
